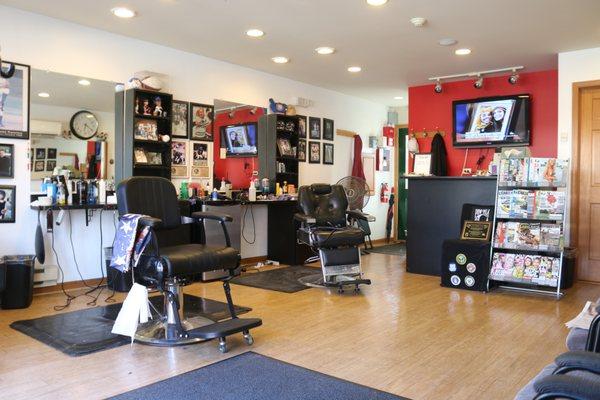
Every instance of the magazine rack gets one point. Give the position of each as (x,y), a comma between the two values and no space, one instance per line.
(528,235)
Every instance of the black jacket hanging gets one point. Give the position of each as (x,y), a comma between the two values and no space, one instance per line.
(439,166)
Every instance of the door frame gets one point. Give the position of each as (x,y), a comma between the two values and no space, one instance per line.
(396,177)
(578,87)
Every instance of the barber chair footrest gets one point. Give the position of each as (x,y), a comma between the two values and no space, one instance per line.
(225,328)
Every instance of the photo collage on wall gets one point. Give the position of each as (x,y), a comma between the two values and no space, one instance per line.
(312,131)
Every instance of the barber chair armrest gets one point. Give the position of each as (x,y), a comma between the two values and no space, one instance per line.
(150,222)
(566,387)
(305,219)
(216,216)
(357,214)
(578,361)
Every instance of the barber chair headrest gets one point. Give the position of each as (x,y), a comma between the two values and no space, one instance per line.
(320,188)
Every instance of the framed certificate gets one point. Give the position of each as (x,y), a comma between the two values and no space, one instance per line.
(476,230)
(422,164)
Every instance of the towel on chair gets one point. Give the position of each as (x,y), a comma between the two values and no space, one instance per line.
(129,242)
(135,309)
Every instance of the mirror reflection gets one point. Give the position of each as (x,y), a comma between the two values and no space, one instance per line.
(72,127)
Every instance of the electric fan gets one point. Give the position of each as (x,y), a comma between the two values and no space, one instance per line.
(357,192)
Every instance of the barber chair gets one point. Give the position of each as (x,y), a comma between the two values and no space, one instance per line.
(324,227)
(167,269)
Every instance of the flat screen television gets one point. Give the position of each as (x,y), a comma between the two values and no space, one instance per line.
(492,121)
(240,140)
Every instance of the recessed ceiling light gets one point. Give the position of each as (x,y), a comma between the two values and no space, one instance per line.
(255,33)
(398,98)
(123,12)
(376,2)
(84,82)
(280,60)
(418,21)
(325,50)
(462,52)
(44,94)
(354,69)
(447,42)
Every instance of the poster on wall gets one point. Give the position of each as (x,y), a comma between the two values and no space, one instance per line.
(14,102)
(7,203)
(7,160)
(328,153)
(201,125)
(315,153)
(327,129)
(301,150)
(314,125)
(302,126)
(179,160)
(179,124)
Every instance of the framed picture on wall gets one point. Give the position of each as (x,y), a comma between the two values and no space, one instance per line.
(301,150)
(7,160)
(179,153)
(40,154)
(314,126)
(201,122)
(314,152)
(180,119)
(51,154)
(302,123)
(328,153)
(50,165)
(14,101)
(328,129)
(199,154)
(39,166)
(8,202)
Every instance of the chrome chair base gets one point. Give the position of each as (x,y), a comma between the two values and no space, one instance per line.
(156,332)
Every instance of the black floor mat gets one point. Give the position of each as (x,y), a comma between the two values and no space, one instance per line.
(280,279)
(82,332)
(397,249)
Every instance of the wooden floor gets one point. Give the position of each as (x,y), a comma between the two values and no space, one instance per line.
(404,334)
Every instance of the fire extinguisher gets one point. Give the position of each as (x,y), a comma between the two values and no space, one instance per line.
(384,195)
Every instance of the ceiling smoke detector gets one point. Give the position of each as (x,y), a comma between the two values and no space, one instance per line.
(447,42)
(418,21)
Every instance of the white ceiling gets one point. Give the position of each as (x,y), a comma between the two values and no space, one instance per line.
(393,53)
(65,91)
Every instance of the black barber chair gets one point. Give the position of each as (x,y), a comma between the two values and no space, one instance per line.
(324,228)
(169,268)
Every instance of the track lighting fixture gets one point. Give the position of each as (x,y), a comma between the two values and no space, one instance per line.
(514,78)
(438,87)
(478,84)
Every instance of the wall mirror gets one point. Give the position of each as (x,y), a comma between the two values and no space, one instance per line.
(72,126)
(236,142)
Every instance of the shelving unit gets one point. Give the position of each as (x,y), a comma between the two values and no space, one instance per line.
(545,277)
(129,113)
(279,168)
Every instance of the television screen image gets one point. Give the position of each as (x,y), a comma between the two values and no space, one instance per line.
(494,121)
(240,140)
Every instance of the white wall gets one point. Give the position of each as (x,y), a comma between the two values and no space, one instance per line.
(77,50)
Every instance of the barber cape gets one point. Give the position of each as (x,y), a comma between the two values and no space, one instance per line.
(129,242)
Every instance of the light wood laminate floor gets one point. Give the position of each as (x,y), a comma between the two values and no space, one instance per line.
(404,334)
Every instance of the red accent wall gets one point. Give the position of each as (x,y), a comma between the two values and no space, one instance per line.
(236,170)
(430,111)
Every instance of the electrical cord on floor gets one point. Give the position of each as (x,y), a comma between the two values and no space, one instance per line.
(62,274)
(110,299)
(253,225)
(73,250)
(100,284)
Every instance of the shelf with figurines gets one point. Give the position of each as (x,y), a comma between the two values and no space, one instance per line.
(528,236)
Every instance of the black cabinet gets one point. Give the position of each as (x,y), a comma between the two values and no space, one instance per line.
(283,246)
(277,149)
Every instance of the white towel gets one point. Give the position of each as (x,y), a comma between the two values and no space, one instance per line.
(135,310)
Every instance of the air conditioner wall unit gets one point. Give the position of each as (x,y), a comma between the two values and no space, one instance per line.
(46,127)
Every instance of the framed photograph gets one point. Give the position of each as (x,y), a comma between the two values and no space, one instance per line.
(154,158)
(476,230)
(314,152)
(50,165)
(8,203)
(422,164)
(201,122)
(285,148)
(51,154)
(179,153)
(328,129)
(40,154)
(199,155)
(140,156)
(14,102)
(301,150)
(7,160)
(145,129)
(328,153)
(180,119)
(314,125)
(39,166)
(302,123)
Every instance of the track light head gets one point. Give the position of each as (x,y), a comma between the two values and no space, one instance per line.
(438,87)
(478,84)
(513,79)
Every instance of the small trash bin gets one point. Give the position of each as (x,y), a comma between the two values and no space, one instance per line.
(18,291)
(568,271)
(115,279)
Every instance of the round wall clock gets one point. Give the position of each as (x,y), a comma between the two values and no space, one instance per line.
(84,125)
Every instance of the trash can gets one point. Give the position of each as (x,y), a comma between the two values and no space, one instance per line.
(115,279)
(568,271)
(18,292)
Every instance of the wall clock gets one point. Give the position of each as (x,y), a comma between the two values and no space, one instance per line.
(84,125)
